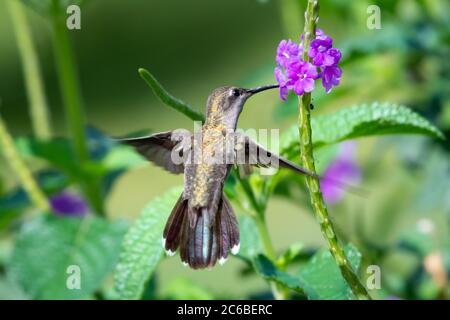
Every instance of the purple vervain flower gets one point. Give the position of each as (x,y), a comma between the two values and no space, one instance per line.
(319,35)
(319,52)
(331,77)
(282,81)
(301,77)
(287,52)
(68,204)
(293,73)
(344,168)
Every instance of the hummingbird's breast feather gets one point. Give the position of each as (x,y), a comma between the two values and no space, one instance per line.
(205,177)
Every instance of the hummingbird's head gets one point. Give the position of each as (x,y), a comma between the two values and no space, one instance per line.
(226,103)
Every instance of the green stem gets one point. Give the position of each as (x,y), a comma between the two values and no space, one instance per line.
(265,236)
(279,291)
(31,71)
(30,186)
(306,152)
(73,102)
(68,79)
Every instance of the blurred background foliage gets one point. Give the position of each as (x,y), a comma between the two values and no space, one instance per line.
(193,47)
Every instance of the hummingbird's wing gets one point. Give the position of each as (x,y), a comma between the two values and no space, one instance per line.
(165,149)
(248,152)
(256,155)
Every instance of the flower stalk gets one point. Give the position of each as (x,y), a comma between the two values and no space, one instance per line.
(25,176)
(68,79)
(31,71)
(307,158)
(279,291)
(73,102)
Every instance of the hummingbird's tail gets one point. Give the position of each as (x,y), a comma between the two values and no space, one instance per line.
(203,242)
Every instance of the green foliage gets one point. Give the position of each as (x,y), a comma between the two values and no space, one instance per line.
(15,202)
(323,275)
(293,252)
(57,152)
(319,278)
(361,121)
(250,240)
(269,271)
(108,160)
(47,245)
(168,99)
(141,248)
(406,61)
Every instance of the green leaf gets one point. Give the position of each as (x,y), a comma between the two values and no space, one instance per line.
(48,245)
(250,240)
(168,99)
(361,121)
(322,274)
(57,152)
(141,248)
(264,267)
(319,278)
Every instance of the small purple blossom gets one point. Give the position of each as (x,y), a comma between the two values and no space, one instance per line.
(301,76)
(287,52)
(343,168)
(320,34)
(282,81)
(293,73)
(68,204)
(331,77)
(319,52)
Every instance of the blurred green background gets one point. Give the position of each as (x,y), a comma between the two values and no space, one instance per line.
(194,46)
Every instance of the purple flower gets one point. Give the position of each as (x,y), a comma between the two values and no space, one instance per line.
(344,168)
(68,204)
(331,77)
(319,35)
(301,77)
(319,52)
(293,73)
(282,81)
(335,54)
(287,52)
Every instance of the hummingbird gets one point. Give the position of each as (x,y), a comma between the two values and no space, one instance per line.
(203,225)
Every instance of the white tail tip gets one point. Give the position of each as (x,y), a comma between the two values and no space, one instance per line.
(222,261)
(235,249)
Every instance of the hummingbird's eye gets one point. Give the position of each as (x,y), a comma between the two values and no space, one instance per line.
(236,92)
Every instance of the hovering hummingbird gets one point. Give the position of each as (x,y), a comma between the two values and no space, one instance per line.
(202,223)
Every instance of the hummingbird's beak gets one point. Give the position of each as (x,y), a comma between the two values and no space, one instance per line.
(262,88)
